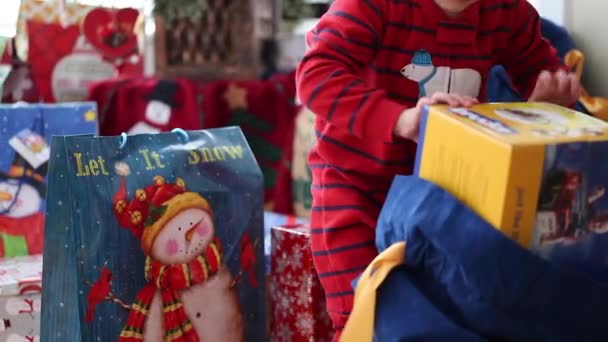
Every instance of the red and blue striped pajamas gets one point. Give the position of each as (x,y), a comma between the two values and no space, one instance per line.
(353,79)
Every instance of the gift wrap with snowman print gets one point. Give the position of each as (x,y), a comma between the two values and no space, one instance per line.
(20,298)
(25,132)
(154,237)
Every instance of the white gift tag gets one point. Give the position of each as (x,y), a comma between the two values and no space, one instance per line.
(32,147)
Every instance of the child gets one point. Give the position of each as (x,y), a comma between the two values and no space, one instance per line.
(371,67)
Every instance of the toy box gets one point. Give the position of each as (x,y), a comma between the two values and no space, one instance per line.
(538,172)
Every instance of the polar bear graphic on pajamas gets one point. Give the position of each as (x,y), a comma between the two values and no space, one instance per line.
(432,79)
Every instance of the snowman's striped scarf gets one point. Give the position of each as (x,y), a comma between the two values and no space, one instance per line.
(171,279)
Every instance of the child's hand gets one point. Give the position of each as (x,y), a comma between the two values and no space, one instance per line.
(558,88)
(408,123)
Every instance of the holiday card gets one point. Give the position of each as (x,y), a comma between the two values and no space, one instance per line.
(31,146)
(161,236)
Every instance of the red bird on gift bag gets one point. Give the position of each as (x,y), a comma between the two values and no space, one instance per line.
(248,259)
(99,292)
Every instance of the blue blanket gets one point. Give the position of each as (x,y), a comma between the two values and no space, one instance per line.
(464,281)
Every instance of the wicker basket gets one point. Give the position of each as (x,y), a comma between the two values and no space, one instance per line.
(220,45)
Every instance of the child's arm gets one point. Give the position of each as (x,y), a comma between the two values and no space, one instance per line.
(343,43)
(533,64)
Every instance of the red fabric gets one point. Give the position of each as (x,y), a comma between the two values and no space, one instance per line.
(297,300)
(271,101)
(351,79)
(122,103)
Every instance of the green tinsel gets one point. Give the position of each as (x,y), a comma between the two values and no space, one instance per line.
(172,9)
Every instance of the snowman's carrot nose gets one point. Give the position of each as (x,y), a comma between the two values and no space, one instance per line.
(5,196)
(190,232)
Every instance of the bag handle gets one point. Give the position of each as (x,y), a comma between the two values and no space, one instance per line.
(360,324)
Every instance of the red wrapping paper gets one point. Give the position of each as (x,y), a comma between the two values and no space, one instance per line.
(297,299)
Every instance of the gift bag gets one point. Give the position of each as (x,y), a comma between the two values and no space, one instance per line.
(50,12)
(445,274)
(25,133)
(66,59)
(161,237)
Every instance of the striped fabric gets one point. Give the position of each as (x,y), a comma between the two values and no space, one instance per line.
(351,79)
(170,280)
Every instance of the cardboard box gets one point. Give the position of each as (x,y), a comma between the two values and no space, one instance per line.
(537,172)
(20,298)
(298,309)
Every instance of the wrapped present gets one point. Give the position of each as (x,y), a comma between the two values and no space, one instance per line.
(272,219)
(297,298)
(20,298)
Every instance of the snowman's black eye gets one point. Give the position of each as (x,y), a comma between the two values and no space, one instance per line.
(180,228)
(198,315)
(191,224)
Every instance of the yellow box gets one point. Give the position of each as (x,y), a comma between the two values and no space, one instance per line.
(538,172)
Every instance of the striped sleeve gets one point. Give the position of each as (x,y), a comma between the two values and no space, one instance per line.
(343,43)
(527,53)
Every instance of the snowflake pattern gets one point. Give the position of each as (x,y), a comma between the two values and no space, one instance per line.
(305,325)
(298,303)
(284,333)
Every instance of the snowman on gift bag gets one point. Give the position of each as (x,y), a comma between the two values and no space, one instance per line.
(190,294)
(158,110)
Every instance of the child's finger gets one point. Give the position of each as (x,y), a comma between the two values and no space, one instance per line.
(425,101)
(562,82)
(545,80)
(450,100)
(469,101)
(575,86)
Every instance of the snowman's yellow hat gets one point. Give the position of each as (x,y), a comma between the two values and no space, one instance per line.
(172,207)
